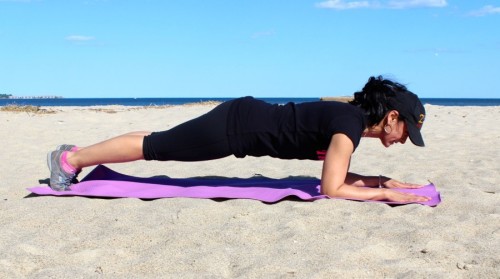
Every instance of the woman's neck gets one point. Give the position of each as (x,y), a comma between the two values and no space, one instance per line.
(373,131)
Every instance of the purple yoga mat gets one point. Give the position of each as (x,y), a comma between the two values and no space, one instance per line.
(104,182)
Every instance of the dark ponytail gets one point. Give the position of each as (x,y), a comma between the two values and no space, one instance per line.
(374,98)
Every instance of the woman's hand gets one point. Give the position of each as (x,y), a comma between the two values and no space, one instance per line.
(391,183)
(395,196)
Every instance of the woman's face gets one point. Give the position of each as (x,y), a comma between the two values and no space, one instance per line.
(398,133)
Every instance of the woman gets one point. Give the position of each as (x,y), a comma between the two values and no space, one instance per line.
(328,131)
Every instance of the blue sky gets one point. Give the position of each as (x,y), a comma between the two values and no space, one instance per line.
(264,48)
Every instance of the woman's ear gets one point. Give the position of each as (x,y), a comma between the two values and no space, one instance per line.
(393,116)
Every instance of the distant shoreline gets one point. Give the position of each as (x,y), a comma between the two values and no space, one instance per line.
(86,102)
(29,97)
(337,99)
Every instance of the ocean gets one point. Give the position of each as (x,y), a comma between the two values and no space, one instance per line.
(179,101)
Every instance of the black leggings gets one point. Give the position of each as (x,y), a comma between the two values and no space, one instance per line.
(199,139)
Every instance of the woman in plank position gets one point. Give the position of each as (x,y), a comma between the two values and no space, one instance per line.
(328,131)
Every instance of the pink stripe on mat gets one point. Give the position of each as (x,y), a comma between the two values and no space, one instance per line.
(104,182)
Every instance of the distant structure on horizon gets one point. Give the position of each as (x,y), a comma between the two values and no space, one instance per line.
(9,96)
(343,99)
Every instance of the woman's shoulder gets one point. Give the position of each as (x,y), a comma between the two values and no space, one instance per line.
(331,107)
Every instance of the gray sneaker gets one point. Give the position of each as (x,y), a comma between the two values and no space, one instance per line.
(59,179)
(69,147)
(66,147)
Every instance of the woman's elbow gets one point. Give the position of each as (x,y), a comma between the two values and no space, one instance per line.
(330,191)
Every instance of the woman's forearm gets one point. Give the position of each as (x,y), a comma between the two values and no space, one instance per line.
(354,192)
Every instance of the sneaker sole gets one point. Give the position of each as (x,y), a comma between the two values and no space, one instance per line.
(49,164)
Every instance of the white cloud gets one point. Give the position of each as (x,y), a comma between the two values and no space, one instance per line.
(342,5)
(391,4)
(486,10)
(79,38)
(400,4)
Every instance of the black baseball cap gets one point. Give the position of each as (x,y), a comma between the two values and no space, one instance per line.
(413,113)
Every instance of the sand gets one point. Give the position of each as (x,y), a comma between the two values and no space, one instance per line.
(75,237)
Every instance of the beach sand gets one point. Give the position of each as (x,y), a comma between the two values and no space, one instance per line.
(75,237)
